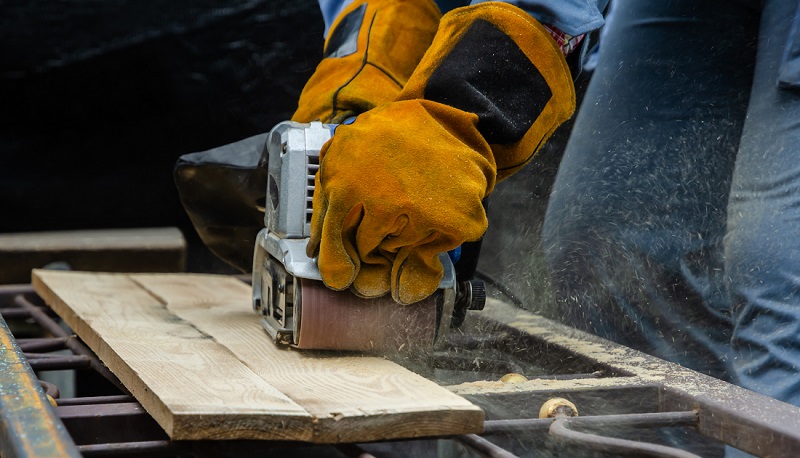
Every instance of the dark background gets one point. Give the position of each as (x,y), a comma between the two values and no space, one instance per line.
(98,99)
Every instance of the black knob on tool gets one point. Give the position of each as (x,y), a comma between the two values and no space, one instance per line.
(478,300)
(470,295)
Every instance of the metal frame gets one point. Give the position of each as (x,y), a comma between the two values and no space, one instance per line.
(634,382)
(29,425)
(615,388)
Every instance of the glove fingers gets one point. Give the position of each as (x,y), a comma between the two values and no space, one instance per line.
(374,277)
(417,271)
(338,257)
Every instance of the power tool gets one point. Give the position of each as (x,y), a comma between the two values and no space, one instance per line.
(296,308)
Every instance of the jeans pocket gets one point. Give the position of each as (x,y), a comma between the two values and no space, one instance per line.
(789,71)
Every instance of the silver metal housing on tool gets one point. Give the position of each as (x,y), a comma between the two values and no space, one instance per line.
(280,250)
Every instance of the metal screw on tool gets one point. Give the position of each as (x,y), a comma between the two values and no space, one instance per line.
(470,295)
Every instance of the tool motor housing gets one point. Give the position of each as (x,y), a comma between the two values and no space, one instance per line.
(280,263)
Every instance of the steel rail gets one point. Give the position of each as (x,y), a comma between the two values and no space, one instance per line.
(483,446)
(50,390)
(43,344)
(634,420)
(28,426)
(560,429)
(58,362)
(159,447)
(14,312)
(13,290)
(93,400)
(85,358)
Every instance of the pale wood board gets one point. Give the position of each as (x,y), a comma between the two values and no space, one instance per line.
(191,350)
(158,238)
(109,250)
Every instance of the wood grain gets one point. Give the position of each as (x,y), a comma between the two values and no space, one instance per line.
(190,348)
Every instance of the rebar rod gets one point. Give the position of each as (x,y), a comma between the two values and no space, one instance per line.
(560,429)
(483,446)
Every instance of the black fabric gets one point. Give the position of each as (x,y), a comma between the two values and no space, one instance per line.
(223,191)
(98,99)
(344,39)
(487,74)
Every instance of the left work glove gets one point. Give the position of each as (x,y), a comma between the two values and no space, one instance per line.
(405,181)
(371,50)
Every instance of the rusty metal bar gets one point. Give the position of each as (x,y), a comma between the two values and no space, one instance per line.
(563,432)
(43,344)
(744,419)
(84,414)
(13,290)
(50,389)
(560,429)
(483,446)
(40,316)
(109,423)
(92,400)
(58,362)
(112,409)
(634,420)
(716,419)
(130,448)
(29,427)
(14,312)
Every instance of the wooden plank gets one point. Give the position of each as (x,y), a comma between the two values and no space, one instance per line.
(109,250)
(345,398)
(184,379)
(163,238)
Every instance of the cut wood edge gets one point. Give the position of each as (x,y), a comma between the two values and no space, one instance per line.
(403,425)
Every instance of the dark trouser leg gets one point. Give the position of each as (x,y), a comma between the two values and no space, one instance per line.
(634,227)
(762,247)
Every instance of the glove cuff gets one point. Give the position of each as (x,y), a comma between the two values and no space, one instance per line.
(504,73)
(371,51)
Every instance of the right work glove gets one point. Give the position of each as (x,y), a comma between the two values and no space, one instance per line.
(405,181)
(371,50)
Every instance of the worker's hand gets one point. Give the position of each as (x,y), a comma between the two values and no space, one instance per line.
(392,193)
(371,50)
(405,181)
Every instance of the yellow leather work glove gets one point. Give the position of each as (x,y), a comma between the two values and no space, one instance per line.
(371,50)
(405,181)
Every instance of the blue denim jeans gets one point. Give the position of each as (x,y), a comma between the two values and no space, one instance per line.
(572,16)
(674,222)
